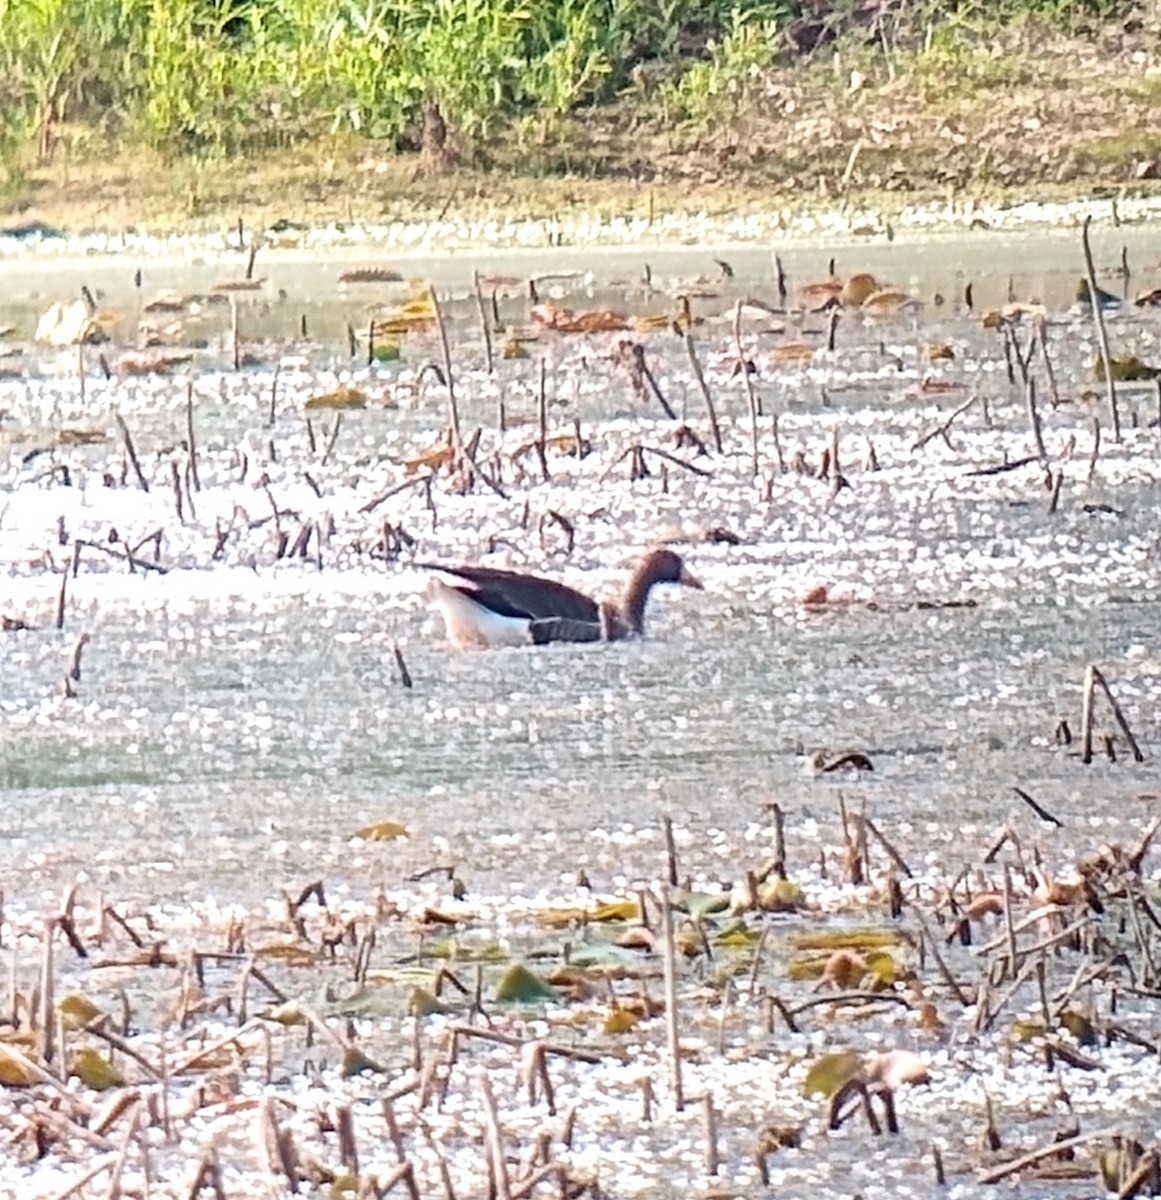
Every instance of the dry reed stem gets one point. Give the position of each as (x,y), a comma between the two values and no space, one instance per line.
(1098,317)
(669,953)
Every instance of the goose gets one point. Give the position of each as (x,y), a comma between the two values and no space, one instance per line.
(491,607)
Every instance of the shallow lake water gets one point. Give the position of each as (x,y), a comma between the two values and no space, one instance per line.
(238,718)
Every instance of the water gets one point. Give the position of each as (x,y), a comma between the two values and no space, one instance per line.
(238,719)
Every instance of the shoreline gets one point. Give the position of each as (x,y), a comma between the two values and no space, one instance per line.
(684,227)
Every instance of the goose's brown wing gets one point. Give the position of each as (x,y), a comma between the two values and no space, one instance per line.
(513,594)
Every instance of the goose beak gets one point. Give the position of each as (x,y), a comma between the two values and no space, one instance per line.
(688,579)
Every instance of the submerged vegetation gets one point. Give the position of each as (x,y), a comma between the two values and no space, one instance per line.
(535,88)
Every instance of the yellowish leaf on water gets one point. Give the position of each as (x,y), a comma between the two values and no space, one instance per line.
(355,1062)
(513,348)
(94,1070)
(850,939)
(286,1014)
(340,398)
(652,322)
(15,1069)
(779,895)
(423,1003)
(1125,370)
(828,1073)
(1080,1026)
(616,910)
(77,1011)
(345,1187)
(382,831)
(292,953)
(620,1020)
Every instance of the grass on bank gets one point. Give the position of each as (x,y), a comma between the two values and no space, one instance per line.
(213,94)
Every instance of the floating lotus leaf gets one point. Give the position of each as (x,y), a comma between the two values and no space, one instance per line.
(828,1073)
(845,969)
(558,918)
(620,1020)
(382,831)
(294,954)
(888,302)
(81,437)
(604,913)
(345,1187)
(513,348)
(355,1062)
(737,934)
(938,351)
(701,904)
(423,1003)
(779,895)
(461,951)
(883,966)
(1026,1030)
(433,458)
(598,956)
(238,285)
(1125,370)
(653,322)
(790,352)
(824,289)
(1080,1026)
(616,910)
(340,398)
(638,937)
(15,1069)
(849,939)
(858,289)
(286,1014)
(77,1011)
(94,1070)
(370,275)
(387,352)
(518,985)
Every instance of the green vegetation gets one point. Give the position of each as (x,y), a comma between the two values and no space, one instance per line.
(466,80)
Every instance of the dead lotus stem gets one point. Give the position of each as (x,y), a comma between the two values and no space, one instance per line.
(333,438)
(494,1138)
(670,851)
(995,1174)
(484,324)
(131,451)
(1098,317)
(892,853)
(944,972)
(1034,419)
(79,1184)
(452,405)
(1094,677)
(942,430)
(748,383)
(1049,369)
(699,375)
(1009,924)
(669,952)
